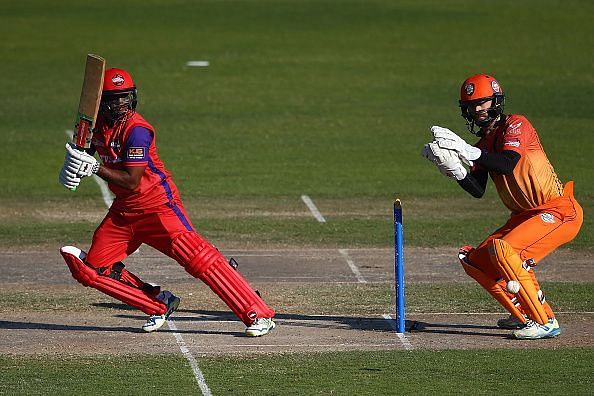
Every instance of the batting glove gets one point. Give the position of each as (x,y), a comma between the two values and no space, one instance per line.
(68,179)
(79,162)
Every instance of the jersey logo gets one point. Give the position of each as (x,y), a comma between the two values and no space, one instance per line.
(547,218)
(512,143)
(514,129)
(136,153)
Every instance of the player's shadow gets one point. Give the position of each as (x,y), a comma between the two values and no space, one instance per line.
(325,322)
(455,329)
(296,320)
(16,325)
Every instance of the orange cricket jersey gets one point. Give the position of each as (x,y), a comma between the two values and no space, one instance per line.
(534,181)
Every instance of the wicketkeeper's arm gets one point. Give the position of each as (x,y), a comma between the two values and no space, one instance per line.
(502,163)
(475,183)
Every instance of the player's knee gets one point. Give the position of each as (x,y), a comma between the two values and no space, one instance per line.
(194,253)
(499,250)
(464,254)
(74,258)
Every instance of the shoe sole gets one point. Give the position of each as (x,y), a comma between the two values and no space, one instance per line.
(554,333)
(260,333)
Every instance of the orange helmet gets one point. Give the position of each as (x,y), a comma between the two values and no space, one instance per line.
(119,95)
(478,89)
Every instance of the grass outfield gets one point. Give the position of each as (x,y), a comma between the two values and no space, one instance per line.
(328,98)
(560,372)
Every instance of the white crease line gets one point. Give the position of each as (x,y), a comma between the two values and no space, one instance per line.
(405,342)
(497,313)
(313,209)
(352,266)
(193,363)
(308,345)
(105,193)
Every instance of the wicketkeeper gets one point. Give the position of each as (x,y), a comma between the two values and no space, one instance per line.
(147,209)
(544,212)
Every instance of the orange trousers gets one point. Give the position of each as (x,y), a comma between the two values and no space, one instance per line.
(534,233)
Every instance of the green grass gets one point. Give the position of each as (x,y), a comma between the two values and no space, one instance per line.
(316,299)
(96,375)
(352,222)
(397,373)
(348,373)
(321,97)
(331,99)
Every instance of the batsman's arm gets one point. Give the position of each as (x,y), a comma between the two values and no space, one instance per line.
(128,177)
(475,183)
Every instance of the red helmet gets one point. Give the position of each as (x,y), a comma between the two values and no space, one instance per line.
(117,81)
(118,99)
(478,89)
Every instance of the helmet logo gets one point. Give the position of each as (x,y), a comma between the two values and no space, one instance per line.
(118,80)
(495,86)
(469,89)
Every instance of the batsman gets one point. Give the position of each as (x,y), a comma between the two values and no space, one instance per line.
(147,209)
(544,212)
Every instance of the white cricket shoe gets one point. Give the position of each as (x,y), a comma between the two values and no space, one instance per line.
(510,323)
(155,322)
(534,330)
(260,327)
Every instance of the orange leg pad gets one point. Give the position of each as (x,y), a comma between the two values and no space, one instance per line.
(205,262)
(88,276)
(492,287)
(541,296)
(509,263)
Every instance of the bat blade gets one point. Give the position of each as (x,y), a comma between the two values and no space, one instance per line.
(90,98)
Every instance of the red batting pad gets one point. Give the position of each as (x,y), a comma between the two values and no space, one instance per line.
(123,292)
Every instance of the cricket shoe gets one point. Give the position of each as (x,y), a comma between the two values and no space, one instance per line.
(534,330)
(510,323)
(155,322)
(260,327)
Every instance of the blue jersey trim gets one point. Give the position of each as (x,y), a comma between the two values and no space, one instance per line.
(167,189)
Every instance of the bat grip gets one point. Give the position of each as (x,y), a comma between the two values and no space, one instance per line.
(82,134)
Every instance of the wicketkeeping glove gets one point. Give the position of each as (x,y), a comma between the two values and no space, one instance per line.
(449,140)
(447,161)
(79,162)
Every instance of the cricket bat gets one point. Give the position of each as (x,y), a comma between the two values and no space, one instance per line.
(90,98)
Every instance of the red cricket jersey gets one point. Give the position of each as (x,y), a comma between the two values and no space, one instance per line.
(134,144)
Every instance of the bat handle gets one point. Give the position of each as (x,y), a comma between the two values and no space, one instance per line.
(82,134)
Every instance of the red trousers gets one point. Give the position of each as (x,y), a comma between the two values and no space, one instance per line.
(120,234)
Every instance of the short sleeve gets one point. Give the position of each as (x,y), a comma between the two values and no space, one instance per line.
(517,136)
(137,146)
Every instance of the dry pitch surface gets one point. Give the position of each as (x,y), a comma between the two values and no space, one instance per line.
(86,322)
